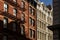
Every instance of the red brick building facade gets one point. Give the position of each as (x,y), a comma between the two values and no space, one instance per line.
(18,20)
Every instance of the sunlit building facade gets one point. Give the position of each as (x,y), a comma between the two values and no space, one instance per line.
(18,20)
(44,19)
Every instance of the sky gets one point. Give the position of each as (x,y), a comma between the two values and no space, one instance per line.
(47,2)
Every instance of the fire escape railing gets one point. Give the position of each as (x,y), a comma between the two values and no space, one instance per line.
(8,15)
(15,4)
(11,2)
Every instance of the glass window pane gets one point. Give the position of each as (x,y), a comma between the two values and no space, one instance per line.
(5,22)
(15,12)
(14,0)
(5,7)
(4,37)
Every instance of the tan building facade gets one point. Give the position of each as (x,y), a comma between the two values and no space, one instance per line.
(44,19)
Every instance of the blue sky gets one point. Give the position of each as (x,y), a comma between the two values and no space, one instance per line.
(47,2)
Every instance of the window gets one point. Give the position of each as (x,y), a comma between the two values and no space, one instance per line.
(15,1)
(30,32)
(30,20)
(22,4)
(14,26)
(33,33)
(5,22)
(5,7)
(33,12)
(4,37)
(22,29)
(30,10)
(22,16)
(15,12)
(33,22)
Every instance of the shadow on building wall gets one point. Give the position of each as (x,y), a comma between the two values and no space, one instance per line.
(12,35)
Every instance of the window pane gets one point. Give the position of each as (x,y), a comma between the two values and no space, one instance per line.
(4,37)
(5,7)
(22,4)
(15,12)
(14,0)
(33,13)
(30,10)
(30,33)
(33,22)
(30,21)
(22,29)
(22,16)
(5,22)
(14,26)
(33,33)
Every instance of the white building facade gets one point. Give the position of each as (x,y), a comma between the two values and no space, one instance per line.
(44,19)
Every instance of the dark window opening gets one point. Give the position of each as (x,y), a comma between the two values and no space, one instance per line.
(4,37)
(30,32)
(33,34)
(5,22)
(14,26)
(30,21)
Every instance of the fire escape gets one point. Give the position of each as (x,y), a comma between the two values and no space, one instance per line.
(17,20)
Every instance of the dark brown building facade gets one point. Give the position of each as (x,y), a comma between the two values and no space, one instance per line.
(56,20)
(56,12)
(18,19)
